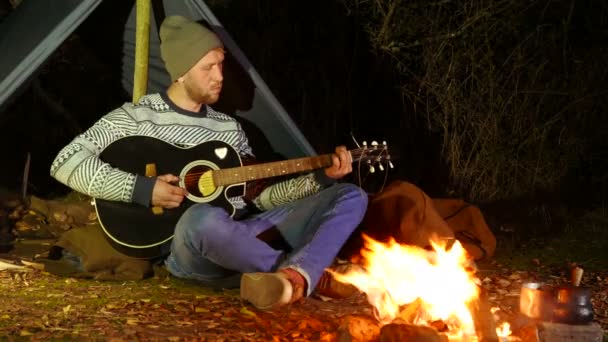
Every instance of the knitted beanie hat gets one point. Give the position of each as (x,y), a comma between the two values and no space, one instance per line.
(184,42)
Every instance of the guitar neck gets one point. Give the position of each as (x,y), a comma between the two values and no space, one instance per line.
(267,170)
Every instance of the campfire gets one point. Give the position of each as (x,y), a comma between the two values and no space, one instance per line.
(431,288)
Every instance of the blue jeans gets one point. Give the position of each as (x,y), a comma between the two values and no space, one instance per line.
(210,246)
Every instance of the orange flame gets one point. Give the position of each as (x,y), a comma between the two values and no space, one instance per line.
(437,282)
(504,330)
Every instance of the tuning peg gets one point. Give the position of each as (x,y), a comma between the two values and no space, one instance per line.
(390,164)
(364,143)
(372,169)
(381,167)
(374,143)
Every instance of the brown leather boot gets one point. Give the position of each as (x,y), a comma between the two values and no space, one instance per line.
(267,291)
(328,286)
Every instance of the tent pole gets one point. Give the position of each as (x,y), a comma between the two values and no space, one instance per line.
(142,48)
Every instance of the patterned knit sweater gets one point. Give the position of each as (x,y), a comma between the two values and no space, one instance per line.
(77,165)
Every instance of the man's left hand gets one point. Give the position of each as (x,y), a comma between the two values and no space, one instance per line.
(341,164)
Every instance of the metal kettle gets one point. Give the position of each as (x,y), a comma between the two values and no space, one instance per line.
(573,303)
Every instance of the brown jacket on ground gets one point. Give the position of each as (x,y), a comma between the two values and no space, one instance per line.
(404,212)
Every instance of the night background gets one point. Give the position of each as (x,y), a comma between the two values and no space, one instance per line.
(483,100)
(502,103)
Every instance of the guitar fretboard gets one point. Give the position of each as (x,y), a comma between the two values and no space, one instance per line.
(260,171)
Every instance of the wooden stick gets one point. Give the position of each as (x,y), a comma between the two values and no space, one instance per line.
(577,276)
(151,172)
(485,326)
(142,48)
(26,175)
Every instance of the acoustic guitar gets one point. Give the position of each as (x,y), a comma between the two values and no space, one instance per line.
(211,172)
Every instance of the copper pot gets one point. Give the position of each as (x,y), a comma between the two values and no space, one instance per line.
(537,301)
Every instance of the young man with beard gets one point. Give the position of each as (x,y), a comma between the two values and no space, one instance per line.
(312,213)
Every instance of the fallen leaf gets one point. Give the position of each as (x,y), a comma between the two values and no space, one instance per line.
(307,324)
(133,321)
(55,295)
(115,306)
(503,282)
(514,276)
(327,337)
(248,312)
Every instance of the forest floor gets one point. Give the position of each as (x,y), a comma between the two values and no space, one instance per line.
(38,305)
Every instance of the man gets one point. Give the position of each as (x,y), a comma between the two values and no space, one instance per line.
(310,215)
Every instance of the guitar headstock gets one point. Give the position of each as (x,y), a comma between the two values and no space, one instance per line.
(372,155)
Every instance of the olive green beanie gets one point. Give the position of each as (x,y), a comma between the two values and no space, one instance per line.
(184,42)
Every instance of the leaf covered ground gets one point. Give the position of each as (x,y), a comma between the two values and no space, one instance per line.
(36,305)
(41,306)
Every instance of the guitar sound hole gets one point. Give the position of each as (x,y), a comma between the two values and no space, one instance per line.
(191,179)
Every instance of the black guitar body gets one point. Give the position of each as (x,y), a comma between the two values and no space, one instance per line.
(136,230)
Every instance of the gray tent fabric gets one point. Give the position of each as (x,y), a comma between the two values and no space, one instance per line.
(30,34)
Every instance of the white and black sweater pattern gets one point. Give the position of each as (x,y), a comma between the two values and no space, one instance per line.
(77,165)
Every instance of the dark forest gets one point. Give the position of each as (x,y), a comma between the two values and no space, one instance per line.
(488,101)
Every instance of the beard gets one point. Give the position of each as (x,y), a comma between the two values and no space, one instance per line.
(196,94)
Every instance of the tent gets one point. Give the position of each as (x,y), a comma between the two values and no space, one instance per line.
(32,32)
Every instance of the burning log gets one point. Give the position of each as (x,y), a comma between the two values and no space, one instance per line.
(410,312)
(396,332)
(485,326)
(358,328)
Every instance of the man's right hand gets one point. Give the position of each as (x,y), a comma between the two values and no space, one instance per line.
(165,194)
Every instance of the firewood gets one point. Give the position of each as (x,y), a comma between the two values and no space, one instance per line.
(396,332)
(358,328)
(439,325)
(485,327)
(410,312)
